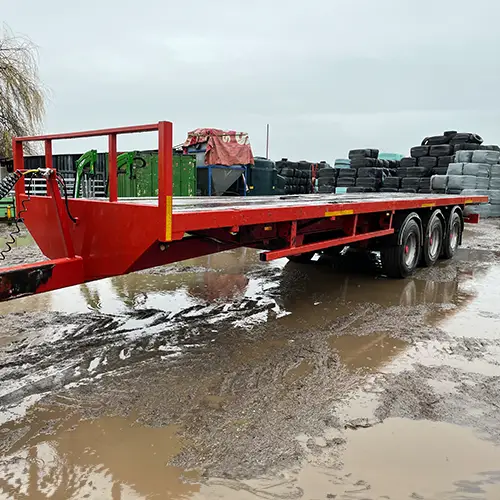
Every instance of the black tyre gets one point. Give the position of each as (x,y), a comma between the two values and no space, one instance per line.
(492,147)
(442,150)
(301,258)
(401,259)
(433,242)
(374,172)
(360,153)
(444,161)
(347,172)
(439,171)
(410,182)
(327,173)
(427,161)
(419,151)
(326,182)
(425,183)
(287,172)
(346,182)
(408,162)
(388,190)
(417,171)
(452,236)
(392,182)
(466,138)
(363,162)
(436,140)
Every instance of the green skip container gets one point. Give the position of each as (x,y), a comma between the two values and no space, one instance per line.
(144,181)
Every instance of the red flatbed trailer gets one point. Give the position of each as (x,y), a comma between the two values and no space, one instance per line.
(89,239)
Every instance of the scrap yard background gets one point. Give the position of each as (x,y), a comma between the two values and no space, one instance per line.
(227,377)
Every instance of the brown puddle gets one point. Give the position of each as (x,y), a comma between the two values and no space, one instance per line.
(395,460)
(400,458)
(117,459)
(369,352)
(110,457)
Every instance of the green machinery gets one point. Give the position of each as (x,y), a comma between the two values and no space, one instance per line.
(85,170)
(137,174)
(127,163)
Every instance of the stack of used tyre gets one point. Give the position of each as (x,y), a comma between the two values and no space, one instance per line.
(297,175)
(327,178)
(473,172)
(430,158)
(367,173)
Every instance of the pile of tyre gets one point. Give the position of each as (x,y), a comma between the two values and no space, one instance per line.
(327,176)
(363,172)
(473,172)
(297,176)
(367,173)
(431,157)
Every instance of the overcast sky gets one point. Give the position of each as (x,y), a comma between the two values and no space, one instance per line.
(328,75)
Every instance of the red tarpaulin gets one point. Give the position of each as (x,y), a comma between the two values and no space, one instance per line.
(224,147)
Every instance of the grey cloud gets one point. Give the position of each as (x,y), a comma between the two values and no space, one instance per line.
(328,75)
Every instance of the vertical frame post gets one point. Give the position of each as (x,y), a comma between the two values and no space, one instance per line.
(165,178)
(112,168)
(18,157)
(48,158)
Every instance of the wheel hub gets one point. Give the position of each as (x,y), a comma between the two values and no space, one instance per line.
(410,250)
(434,246)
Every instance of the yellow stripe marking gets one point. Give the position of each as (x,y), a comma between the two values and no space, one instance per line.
(468,202)
(168,225)
(340,212)
(428,205)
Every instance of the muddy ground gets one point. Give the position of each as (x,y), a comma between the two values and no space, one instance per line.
(224,377)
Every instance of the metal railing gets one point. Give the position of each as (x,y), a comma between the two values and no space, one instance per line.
(165,162)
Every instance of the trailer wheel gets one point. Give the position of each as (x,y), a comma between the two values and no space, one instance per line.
(301,258)
(433,242)
(400,260)
(452,236)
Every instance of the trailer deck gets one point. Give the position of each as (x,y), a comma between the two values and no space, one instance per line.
(203,203)
(90,239)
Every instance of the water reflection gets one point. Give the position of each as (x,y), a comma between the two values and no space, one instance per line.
(311,293)
(109,457)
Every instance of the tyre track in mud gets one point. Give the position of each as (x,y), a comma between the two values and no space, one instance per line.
(88,345)
(256,401)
